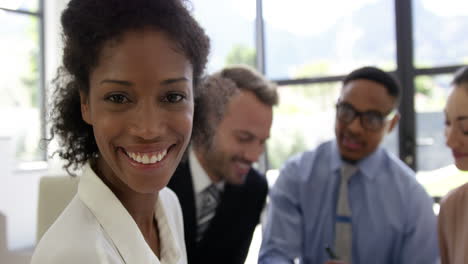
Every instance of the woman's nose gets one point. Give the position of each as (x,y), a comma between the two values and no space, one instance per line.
(147,121)
(452,137)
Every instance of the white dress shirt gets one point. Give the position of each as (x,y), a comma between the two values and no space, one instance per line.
(95,228)
(200,179)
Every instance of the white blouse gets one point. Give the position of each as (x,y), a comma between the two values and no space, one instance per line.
(95,228)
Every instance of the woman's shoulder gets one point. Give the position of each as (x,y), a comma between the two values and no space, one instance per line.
(458,194)
(454,199)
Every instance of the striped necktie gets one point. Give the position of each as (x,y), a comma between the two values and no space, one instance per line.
(209,201)
(343,227)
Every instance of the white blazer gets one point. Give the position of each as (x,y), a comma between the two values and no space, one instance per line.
(95,228)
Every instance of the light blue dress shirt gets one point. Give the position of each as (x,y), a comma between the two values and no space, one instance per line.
(392,216)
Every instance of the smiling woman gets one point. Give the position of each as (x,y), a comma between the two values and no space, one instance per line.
(123,109)
(453,215)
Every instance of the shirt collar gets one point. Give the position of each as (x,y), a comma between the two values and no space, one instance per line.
(369,166)
(120,226)
(200,178)
(170,252)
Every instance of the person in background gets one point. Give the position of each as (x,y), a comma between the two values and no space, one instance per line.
(123,111)
(221,195)
(350,200)
(453,215)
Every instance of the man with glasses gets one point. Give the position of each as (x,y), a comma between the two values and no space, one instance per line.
(349,200)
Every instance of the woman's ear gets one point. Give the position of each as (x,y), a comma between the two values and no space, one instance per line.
(84,103)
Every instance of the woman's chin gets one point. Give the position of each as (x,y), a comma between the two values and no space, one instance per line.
(462,165)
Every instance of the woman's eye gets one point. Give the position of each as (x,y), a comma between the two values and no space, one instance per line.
(174,98)
(118,98)
(464,126)
(244,138)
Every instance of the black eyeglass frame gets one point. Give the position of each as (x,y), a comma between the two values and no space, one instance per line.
(364,117)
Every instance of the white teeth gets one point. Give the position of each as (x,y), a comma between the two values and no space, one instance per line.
(147,158)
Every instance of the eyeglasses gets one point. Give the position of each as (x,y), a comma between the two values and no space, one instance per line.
(370,120)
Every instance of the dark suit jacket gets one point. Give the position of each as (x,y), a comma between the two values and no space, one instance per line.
(228,237)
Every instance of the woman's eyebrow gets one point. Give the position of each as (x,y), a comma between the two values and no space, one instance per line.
(174,80)
(128,83)
(121,82)
(461,118)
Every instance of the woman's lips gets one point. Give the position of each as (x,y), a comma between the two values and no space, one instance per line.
(146,158)
(459,155)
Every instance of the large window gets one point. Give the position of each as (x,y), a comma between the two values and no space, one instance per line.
(315,38)
(20,71)
(309,47)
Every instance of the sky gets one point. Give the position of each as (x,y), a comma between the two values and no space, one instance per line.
(297,16)
(15,4)
(306,17)
(447,8)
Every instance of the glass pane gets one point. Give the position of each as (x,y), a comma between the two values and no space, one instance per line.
(314,38)
(25,5)
(19,72)
(390,142)
(304,118)
(230,24)
(436,170)
(440,32)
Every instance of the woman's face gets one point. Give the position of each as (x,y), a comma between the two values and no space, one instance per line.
(140,105)
(456,125)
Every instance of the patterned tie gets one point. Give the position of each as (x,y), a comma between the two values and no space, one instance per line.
(343,227)
(209,202)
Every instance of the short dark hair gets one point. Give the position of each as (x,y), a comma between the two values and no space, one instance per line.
(460,76)
(87,26)
(216,91)
(377,75)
